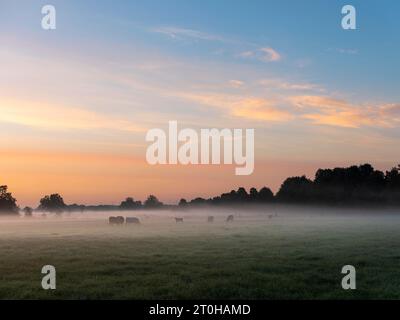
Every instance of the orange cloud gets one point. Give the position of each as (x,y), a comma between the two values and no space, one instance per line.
(260,109)
(242,107)
(335,112)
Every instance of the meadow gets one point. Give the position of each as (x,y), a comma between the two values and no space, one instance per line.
(298,253)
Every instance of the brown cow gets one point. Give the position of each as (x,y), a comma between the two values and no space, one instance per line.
(178,220)
(116,220)
(210,219)
(230,218)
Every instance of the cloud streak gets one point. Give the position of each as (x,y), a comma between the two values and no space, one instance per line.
(265,54)
(334,112)
(182,33)
(56,117)
(251,108)
(286,85)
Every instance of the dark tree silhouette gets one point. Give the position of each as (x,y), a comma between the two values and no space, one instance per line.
(28,211)
(152,202)
(183,203)
(296,189)
(198,201)
(253,195)
(237,197)
(265,195)
(242,195)
(392,178)
(130,204)
(392,190)
(52,203)
(8,204)
(226,198)
(352,185)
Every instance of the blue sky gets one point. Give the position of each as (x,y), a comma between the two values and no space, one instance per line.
(315,93)
(305,32)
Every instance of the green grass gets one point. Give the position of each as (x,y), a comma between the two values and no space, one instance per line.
(285,258)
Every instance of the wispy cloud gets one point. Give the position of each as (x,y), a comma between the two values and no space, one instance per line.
(236,83)
(344,50)
(55,117)
(347,51)
(270,54)
(265,54)
(286,85)
(182,33)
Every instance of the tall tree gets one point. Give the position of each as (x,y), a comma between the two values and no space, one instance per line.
(152,202)
(52,203)
(8,204)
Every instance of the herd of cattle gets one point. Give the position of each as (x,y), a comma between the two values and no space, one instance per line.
(118,220)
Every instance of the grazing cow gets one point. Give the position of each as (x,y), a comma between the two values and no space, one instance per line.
(270,216)
(230,218)
(132,220)
(210,219)
(112,220)
(178,220)
(116,220)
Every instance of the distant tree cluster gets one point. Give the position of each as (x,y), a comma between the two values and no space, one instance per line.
(130,204)
(339,186)
(355,184)
(152,202)
(52,203)
(241,196)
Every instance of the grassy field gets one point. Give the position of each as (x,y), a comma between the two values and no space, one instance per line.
(296,255)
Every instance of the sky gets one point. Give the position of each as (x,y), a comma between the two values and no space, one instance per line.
(76,102)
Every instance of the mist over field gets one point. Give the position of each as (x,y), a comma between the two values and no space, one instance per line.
(266,253)
(162,222)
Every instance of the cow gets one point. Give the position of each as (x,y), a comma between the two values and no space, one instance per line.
(132,220)
(178,220)
(112,220)
(210,219)
(270,216)
(116,220)
(229,218)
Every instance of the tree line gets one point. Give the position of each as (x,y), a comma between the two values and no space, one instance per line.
(354,185)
